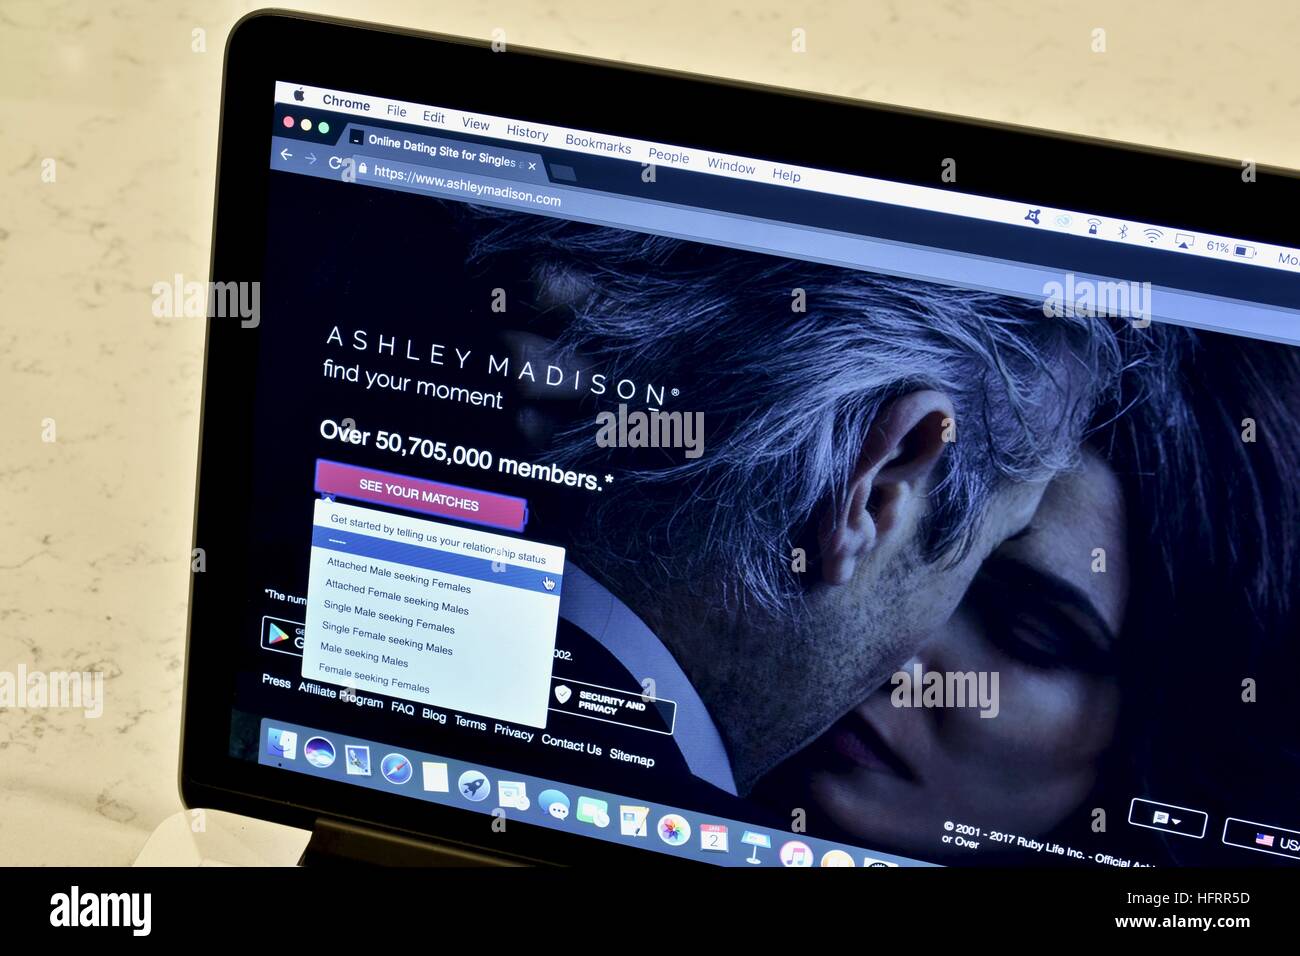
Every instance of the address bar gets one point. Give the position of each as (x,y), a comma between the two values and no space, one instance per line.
(426,178)
(852,251)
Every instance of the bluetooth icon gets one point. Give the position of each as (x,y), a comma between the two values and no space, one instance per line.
(1123,231)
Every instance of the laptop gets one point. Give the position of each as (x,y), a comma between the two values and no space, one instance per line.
(607,466)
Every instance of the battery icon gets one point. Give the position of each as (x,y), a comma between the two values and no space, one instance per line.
(1245,252)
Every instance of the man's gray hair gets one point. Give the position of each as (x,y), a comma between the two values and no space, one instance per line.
(788,398)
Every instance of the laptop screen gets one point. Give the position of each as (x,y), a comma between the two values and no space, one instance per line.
(765,515)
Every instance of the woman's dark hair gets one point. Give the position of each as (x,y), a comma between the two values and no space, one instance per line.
(1210,463)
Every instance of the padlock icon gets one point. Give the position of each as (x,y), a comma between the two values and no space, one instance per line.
(361,169)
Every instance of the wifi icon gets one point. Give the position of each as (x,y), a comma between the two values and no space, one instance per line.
(1152,235)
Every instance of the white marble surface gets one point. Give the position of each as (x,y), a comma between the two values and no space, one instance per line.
(94,527)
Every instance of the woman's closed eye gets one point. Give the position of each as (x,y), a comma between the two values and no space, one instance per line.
(1039,618)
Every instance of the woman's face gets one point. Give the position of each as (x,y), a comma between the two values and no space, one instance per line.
(1043,620)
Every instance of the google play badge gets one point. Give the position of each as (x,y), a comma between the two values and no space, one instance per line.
(281,636)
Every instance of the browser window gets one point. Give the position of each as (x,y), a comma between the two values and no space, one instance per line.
(764,515)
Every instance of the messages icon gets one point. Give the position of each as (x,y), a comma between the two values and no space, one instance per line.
(632,820)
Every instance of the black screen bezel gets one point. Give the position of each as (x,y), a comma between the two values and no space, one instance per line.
(1199,194)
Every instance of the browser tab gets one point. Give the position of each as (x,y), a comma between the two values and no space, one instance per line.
(449,154)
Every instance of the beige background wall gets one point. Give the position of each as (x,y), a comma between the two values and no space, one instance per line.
(94,526)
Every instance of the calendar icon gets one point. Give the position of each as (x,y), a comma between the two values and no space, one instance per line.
(713,836)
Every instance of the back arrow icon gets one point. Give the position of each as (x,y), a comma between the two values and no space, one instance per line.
(311,158)
(285,154)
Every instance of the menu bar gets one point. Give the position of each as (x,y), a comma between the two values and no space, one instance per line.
(751,169)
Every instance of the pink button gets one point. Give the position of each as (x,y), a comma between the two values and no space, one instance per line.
(419,494)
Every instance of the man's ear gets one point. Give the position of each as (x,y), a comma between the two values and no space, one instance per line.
(886,492)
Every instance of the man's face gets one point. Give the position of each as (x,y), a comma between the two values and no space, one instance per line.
(773,687)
